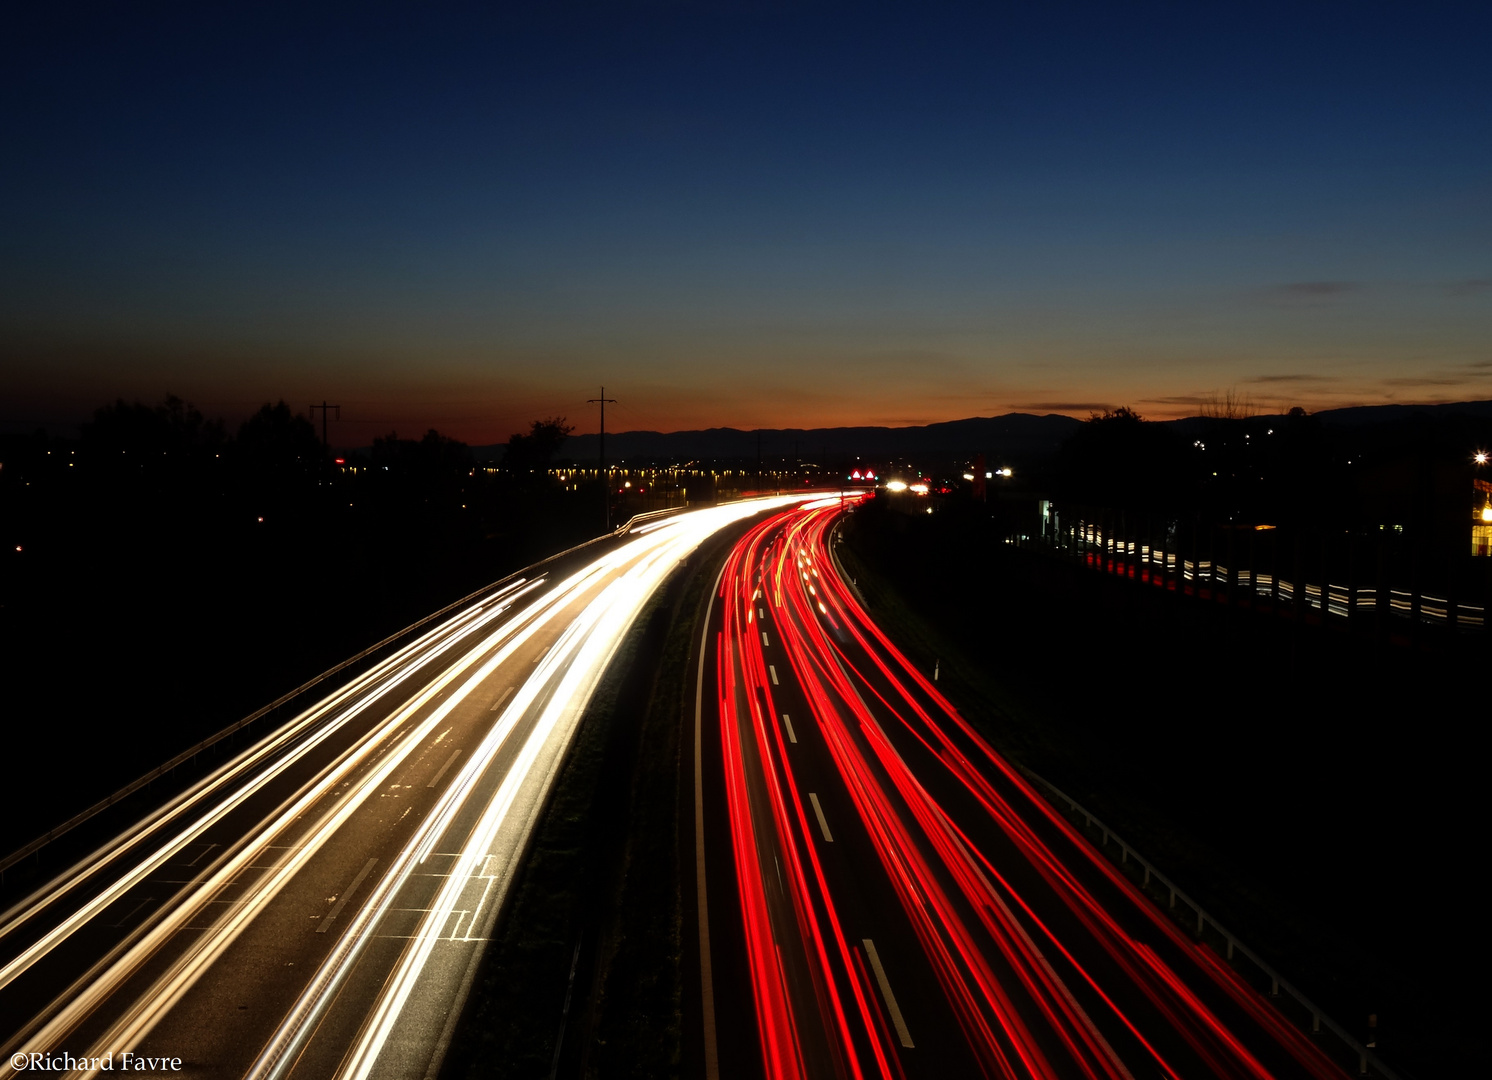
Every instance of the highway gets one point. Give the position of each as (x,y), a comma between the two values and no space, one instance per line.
(883,895)
(316,907)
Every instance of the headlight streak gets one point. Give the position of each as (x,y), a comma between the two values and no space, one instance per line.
(578,659)
(307,722)
(280,1051)
(1000,1038)
(108,975)
(148,1008)
(80,871)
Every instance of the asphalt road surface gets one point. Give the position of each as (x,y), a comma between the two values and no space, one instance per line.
(883,895)
(316,907)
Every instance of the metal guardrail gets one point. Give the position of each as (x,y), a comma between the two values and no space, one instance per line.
(1342,601)
(1366,1059)
(186,755)
(645,517)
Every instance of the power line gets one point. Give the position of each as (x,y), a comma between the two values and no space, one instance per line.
(605,483)
(324,407)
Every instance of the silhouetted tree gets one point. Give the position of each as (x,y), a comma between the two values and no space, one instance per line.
(1118,458)
(175,426)
(433,455)
(536,450)
(274,440)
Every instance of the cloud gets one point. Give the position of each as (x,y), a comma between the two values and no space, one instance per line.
(1317,289)
(1469,287)
(1424,380)
(1182,399)
(1293,378)
(1062,406)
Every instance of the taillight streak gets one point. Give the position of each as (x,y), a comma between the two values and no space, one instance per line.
(1143,966)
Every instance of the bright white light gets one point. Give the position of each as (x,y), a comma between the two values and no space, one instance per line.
(968,476)
(572,667)
(896,485)
(920,489)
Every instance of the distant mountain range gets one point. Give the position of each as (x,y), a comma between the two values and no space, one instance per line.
(1014,435)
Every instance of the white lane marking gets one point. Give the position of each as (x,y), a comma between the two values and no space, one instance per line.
(1011,920)
(460,918)
(132,913)
(326,923)
(764,639)
(542,653)
(486,892)
(706,972)
(199,858)
(772,671)
(762,612)
(498,703)
(388,673)
(787,722)
(823,821)
(449,762)
(885,984)
(579,656)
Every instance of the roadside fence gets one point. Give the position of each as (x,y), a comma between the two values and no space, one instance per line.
(1215,569)
(1207,929)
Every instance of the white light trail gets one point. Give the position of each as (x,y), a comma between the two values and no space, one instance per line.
(391,1044)
(388,673)
(560,685)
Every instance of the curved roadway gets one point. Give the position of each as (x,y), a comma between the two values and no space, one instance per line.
(886,896)
(316,907)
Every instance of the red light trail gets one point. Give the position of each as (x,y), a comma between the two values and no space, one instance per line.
(1004,922)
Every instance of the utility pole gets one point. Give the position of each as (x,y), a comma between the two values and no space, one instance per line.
(326,465)
(605,483)
(324,407)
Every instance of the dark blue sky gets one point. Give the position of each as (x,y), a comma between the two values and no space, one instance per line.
(744,214)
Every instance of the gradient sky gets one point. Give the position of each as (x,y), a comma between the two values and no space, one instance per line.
(743,214)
